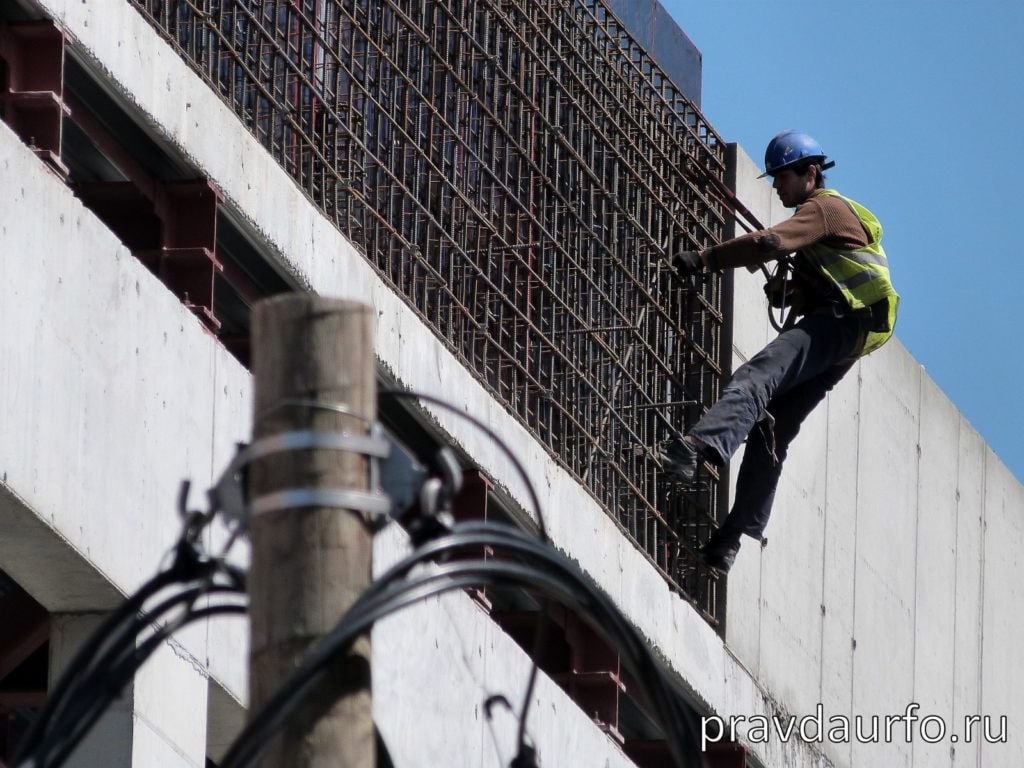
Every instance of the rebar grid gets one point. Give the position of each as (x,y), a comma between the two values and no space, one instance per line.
(517,169)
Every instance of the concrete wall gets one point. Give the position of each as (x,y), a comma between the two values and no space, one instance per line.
(115,394)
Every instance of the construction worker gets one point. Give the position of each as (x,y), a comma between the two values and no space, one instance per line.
(842,294)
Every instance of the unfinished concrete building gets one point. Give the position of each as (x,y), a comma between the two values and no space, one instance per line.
(500,180)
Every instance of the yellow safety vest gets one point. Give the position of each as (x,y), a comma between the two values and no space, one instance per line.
(860,275)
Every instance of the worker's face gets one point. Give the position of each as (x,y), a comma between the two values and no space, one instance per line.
(794,188)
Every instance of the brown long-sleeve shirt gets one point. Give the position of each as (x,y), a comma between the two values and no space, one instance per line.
(821,218)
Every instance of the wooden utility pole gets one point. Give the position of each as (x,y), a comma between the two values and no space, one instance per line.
(314,371)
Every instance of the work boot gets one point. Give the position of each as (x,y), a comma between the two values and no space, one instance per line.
(719,552)
(678,459)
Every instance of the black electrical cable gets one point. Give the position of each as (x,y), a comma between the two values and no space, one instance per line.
(188,565)
(494,436)
(70,731)
(93,692)
(357,621)
(553,579)
(541,631)
(80,661)
(108,660)
(113,639)
(124,645)
(506,538)
(475,575)
(475,534)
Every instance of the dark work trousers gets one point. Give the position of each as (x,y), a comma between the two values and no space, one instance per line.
(788,378)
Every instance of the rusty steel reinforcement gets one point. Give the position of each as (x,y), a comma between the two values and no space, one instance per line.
(517,169)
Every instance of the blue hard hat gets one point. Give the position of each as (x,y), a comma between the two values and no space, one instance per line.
(789,148)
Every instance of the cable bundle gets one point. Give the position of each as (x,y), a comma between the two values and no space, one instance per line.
(107,662)
(527,564)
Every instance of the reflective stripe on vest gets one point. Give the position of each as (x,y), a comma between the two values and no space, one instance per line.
(860,274)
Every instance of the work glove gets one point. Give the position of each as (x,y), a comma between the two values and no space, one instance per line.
(687,263)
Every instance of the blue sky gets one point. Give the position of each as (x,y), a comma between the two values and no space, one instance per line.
(921,105)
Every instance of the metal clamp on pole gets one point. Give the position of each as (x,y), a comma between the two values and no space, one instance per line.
(399,481)
(374,506)
(229,496)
